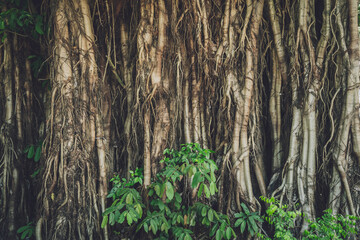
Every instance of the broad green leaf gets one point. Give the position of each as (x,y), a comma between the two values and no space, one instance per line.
(203,211)
(206,190)
(39,25)
(223,226)
(210,215)
(117,215)
(153,226)
(111,219)
(23,228)
(253,224)
(139,210)
(26,233)
(218,235)
(151,192)
(129,219)
(228,233)
(238,222)
(196,180)
(270,211)
(212,188)
(242,227)
(178,197)
(245,208)
(169,191)
(104,221)
(201,188)
(146,227)
(31,152)
(37,154)
(213,229)
(157,190)
(129,199)
(187,237)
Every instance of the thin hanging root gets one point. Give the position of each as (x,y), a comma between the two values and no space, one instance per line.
(38,229)
(346,186)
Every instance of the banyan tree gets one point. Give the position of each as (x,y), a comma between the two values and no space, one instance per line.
(93,88)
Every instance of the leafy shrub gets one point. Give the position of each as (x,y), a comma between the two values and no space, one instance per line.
(169,216)
(332,227)
(326,227)
(26,231)
(282,220)
(249,219)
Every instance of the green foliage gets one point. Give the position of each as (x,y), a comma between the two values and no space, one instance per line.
(282,219)
(26,231)
(34,152)
(17,19)
(36,66)
(326,227)
(127,202)
(331,227)
(169,216)
(249,219)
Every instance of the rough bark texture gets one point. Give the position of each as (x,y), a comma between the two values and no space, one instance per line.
(272,86)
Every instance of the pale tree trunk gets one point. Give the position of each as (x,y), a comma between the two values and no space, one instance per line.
(78,132)
(341,155)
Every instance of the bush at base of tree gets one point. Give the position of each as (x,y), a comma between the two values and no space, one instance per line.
(171,214)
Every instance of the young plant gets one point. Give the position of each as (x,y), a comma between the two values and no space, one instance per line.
(127,202)
(26,231)
(331,226)
(168,215)
(282,219)
(249,219)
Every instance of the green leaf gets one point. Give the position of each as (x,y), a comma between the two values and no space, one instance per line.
(111,219)
(178,197)
(129,199)
(153,226)
(203,211)
(210,215)
(212,188)
(129,219)
(206,190)
(104,221)
(146,227)
(218,235)
(228,233)
(169,191)
(39,25)
(242,227)
(196,180)
(26,233)
(2,24)
(253,224)
(245,208)
(201,188)
(37,154)
(23,228)
(187,237)
(238,222)
(31,152)
(157,190)
(213,230)
(139,210)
